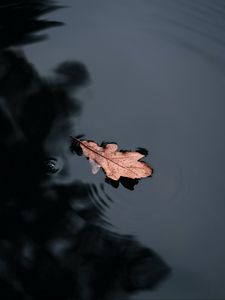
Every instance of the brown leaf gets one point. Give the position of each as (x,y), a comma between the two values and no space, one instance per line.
(115,163)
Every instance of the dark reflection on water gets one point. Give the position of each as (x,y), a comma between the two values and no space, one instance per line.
(54,242)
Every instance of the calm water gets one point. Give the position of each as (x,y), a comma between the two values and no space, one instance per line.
(157,73)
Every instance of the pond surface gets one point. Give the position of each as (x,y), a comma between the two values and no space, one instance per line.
(157,80)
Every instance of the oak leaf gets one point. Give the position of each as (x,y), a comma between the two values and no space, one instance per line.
(115,164)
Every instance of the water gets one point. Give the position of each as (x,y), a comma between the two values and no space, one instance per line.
(157,81)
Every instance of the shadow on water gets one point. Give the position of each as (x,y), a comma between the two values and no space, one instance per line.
(53,240)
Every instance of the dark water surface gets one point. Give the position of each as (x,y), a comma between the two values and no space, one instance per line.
(157,80)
